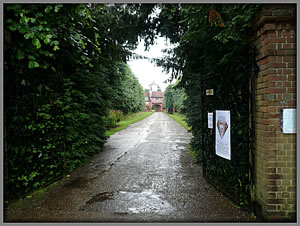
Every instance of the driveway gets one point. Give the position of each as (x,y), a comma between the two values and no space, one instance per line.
(144,174)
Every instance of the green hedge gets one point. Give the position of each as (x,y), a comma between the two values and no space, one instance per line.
(64,71)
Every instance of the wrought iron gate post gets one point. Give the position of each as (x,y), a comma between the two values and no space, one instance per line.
(202,129)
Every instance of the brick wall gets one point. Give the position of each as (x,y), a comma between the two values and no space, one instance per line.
(275,152)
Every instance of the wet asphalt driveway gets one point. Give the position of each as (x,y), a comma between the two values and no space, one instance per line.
(145,174)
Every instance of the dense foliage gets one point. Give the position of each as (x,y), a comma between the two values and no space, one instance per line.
(212,53)
(174,98)
(129,96)
(64,71)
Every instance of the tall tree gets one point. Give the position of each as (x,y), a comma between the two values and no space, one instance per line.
(174,98)
(129,96)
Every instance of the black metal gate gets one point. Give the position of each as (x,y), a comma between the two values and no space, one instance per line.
(228,92)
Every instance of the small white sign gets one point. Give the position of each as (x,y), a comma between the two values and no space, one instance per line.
(289,120)
(209,92)
(210,120)
(223,145)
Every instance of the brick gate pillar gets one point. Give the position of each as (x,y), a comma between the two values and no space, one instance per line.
(275,152)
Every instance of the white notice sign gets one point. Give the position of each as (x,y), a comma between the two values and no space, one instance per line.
(289,121)
(210,120)
(209,92)
(223,145)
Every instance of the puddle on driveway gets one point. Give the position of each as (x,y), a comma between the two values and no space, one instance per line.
(128,202)
(100,197)
(178,146)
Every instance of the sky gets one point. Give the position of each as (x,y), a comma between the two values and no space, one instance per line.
(147,72)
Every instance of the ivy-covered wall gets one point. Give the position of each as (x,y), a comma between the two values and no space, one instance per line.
(275,88)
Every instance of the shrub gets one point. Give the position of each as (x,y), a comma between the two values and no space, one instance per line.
(113,117)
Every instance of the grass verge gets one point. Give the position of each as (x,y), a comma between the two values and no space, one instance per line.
(129,119)
(180,118)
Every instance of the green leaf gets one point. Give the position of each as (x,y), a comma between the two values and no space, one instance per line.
(32,20)
(57,8)
(22,20)
(23,82)
(36,42)
(29,35)
(33,64)
(56,43)
(40,27)
(39,14)
(82,43)
(41,36)
(36,184)
(77,36)
(48,9)
(55,48)
(31,58)
(12,27)
(23,29)
(13,7)
(46,40)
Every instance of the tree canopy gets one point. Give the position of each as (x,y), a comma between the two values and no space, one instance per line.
(174,98)
(129,93)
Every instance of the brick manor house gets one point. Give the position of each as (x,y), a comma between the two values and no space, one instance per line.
(153,97)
